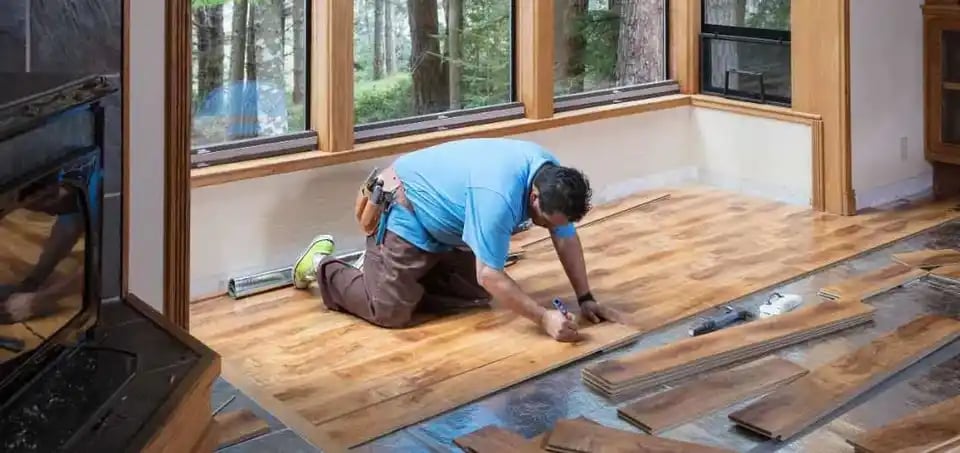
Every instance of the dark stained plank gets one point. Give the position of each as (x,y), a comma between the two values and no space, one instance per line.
(926,259)
(872,283)
(791,408)
(665,410)
(922,429)
(578,436)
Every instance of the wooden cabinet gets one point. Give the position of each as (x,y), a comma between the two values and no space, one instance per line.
(941,24)
(942,55)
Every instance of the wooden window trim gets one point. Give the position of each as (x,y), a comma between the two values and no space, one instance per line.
(221,174)
(753,109)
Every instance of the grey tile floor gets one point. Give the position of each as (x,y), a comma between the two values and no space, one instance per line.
(534,406)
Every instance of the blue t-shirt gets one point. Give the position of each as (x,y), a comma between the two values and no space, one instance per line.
(472,192)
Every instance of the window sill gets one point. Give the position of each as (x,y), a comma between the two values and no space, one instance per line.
(753,109)
(225,173)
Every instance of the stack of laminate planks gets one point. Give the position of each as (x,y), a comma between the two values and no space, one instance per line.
(624,377)
(662,411)
(924,430)
(795,406)
(872,283)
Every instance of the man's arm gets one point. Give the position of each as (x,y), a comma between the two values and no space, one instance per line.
(505,289)
(570,251)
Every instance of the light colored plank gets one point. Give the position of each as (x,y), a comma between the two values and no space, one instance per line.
(582,436)
(870,284)
(238,426)
(950,272)
(928,259)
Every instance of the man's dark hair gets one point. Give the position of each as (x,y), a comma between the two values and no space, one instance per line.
(563,189)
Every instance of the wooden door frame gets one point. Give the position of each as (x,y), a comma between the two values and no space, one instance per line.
(176,180)
(176,187)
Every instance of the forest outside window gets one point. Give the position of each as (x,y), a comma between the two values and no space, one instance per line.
(745,50)
(609,51)
(249,79)
(431,65)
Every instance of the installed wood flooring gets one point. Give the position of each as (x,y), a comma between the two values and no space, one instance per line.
(341,382)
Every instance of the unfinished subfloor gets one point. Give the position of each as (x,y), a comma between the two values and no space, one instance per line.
(667,261)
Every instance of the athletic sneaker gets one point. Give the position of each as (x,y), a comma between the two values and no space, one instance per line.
(305,269)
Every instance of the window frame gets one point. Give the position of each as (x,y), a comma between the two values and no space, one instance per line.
(750,35)
(451,119)
(231,151)
(533,106)
(625,93)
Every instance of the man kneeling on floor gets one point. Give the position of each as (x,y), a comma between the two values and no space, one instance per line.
(440,237)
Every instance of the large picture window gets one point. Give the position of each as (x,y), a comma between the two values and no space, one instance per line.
(745,50)
(609,50)
(249,79)
(431,65)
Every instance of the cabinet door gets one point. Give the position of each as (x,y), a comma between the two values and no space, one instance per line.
(943,87)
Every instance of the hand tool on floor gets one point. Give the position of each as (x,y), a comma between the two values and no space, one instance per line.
(729,317)
(12,344)
(778,304)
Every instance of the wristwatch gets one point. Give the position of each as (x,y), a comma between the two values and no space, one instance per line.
(585,297)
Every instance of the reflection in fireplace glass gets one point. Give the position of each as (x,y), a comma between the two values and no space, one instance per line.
(41,266)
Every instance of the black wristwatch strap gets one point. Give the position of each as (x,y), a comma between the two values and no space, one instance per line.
(585,297)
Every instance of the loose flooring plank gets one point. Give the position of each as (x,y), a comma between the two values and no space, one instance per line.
(927,259)
(916,432)
(238,426)
(950,273)
(657,264)
(494,439)
(665,410)
(625,376)
(791,408)
(872,283)
(596,215)
(577,436)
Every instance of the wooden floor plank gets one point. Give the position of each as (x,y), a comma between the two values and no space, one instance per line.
(788,410)
(577,436)
(872,283)
(690,356)
(238,426)
(926,259)
(918,431)
(665,410)
(950,273)
(659,264)
(494,439)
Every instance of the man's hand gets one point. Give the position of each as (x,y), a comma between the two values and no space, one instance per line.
(591,310)
(559,327)
(18,307)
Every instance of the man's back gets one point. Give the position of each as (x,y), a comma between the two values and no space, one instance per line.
(449,183)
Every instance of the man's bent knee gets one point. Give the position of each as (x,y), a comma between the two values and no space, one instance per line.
(392,316)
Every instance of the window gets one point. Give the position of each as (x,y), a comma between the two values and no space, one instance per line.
(249,79)
(609,51)
(431,65)
(745,50)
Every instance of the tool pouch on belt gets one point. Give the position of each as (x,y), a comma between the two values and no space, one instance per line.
(374,197)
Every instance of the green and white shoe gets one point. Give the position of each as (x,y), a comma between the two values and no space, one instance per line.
(305,268)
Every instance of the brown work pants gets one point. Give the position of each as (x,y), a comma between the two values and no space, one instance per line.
(399,280)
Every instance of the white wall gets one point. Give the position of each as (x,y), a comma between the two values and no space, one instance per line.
(259,224)
(756,156)
(886,96)
(146,150)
